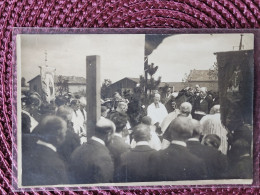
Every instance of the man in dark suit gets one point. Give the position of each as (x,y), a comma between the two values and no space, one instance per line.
(134,164)
(242,166)
(118,146)
(176,163)
(202,105)
(91,162)
(41,164)
(216,162)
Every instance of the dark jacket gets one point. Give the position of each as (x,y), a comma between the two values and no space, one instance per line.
(242,169)
(91,163)
(134,166)
(42,166)
(216,162)
(203,106)
(72,141)
(117,147)
(176,163)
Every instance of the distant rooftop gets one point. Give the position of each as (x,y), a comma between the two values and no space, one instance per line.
(200,75)
(71,79)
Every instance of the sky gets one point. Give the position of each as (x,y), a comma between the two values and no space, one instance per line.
(123,55)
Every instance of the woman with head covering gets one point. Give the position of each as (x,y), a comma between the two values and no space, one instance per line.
(211,124)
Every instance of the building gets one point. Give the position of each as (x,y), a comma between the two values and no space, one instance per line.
(203,79)
(130,83)
(75,84)
(122,85)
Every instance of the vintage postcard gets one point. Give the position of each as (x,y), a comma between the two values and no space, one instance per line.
(134,109)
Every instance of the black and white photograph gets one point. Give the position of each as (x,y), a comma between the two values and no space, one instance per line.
(134,109)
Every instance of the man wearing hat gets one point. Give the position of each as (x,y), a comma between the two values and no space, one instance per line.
(91,162)
(176,163)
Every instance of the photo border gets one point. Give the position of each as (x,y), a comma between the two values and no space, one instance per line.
(112,186)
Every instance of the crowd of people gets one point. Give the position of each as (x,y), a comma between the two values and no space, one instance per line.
(180,139)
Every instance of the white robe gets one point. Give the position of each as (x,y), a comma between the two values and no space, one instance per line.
(157,114)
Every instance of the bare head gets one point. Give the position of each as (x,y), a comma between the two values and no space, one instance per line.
(215,109)
(142,132)
(122,107)
(157,98)
(65,112)
(52,129)
(203,92)
(83,102)
(181,129)
(75,104)
(105,129)
(185,108)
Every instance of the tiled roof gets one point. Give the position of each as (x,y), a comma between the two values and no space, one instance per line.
(71,79)
(200,75)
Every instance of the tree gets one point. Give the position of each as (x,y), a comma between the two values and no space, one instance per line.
(213,72)
(185,80)
(62,85)
(105,88)
(151,83)
(23,82)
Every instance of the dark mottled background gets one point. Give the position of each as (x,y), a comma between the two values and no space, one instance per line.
(116,14)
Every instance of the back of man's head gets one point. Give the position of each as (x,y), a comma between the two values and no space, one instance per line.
(105,129)
(146,120)
(185,108)
(65,112)
(142,133)
(212,140)
(120,121)
(52,129)
(181,128)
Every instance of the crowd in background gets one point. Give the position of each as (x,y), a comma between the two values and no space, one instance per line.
(179,138)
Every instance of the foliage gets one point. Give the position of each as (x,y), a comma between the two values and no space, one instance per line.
(105,88)
(62,85)
(163,91)
(213,72)
(23,82)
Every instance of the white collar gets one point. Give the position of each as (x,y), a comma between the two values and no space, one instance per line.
(118,134)
(177,142)
(98,140)
(194,139)
(40,142)
(142,143)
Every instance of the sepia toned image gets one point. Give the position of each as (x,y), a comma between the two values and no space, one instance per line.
(134,109)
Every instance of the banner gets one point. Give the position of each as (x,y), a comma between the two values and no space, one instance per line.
(47,83)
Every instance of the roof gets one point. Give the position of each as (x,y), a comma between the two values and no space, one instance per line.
(71,79)
(200,75)
(137,80)
(234,52)
(38,76)
(171,84)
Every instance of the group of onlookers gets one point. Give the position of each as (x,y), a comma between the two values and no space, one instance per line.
(186,142)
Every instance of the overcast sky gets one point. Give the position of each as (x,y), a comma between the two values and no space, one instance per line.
(123,55)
